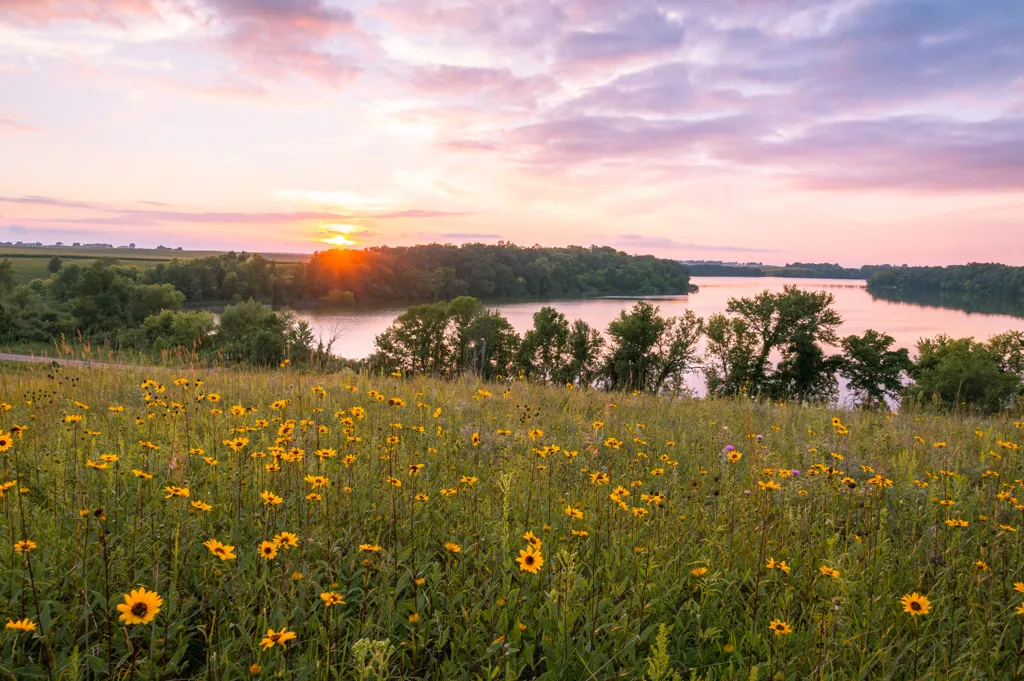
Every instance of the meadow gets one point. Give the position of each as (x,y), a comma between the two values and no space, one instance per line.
(226,524)
(30,262)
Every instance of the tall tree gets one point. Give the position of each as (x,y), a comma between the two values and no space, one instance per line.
(584,347)
(729,355)
(873,370)
(493,345)
(794,323)
(650,352)
(542,352)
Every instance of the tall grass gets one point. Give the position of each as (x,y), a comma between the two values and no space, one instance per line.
(669,579)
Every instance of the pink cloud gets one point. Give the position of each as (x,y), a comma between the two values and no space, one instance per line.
(41,12)
(8,125)
(274,38)
(499,85)
(269,39)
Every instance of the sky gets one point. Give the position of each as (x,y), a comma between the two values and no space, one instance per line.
(850,131)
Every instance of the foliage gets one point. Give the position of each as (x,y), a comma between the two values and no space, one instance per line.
(729,355)
(659,662)
(794,324)
(958,372)
(435,272)
(446,339)
(974,280)
(191,329)
(252,332)
(874,370)
(795,270)
(649,352)
(8,279)
(557,352)
(421,273)
(673,558)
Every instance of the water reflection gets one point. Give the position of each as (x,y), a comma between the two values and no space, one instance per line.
(955,301)
(354,331)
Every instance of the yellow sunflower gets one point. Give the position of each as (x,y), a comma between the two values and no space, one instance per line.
(140,606)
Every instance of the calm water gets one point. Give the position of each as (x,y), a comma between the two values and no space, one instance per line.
(906,322)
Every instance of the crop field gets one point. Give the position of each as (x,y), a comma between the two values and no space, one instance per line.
(30,262)
(231,524)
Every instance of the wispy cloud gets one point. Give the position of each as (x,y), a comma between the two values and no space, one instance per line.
(126,216)
(8,125)
(634,241)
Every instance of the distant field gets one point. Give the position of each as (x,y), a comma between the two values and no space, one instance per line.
(30,261)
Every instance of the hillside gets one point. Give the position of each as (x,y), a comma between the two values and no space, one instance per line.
(240,523)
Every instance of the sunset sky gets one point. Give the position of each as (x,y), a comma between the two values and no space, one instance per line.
(852,131)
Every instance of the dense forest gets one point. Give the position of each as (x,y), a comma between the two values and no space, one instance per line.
(978,281)
(422,273)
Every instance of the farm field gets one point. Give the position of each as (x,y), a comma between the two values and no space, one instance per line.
(231,524)
(30,262)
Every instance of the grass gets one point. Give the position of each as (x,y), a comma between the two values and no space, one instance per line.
(30,262)
(668,579)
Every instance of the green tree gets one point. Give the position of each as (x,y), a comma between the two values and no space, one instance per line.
(54,265)
(416,341)
(794,323)
(962,372)
(253,333)
(542,354)
(873,370)
(493,345)
(805,372)
(192,329)
(649,352)
(462,312)
(8,279)
(584,347)
(729,356)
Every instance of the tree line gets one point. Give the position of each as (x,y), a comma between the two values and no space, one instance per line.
(797,270)
(422,273)
(772,345)
(981,281)
(385,274)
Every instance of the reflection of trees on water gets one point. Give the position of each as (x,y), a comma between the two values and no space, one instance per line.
(955,301)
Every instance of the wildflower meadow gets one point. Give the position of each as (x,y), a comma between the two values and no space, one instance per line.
(229,524)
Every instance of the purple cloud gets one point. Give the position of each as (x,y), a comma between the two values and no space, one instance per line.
(905,152)
(660,89)
(488,84)
(644,34)
(269,39)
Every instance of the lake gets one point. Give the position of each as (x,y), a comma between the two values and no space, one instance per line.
(354,331)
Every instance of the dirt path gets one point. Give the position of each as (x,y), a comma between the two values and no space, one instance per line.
(39,359)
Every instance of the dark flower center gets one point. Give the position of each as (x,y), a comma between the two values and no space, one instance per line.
(915,606)
(529,560)
(140,609)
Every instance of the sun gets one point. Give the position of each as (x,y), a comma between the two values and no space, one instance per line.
(339,234)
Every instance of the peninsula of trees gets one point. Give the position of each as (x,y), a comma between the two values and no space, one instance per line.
(424,273)
(105,301)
